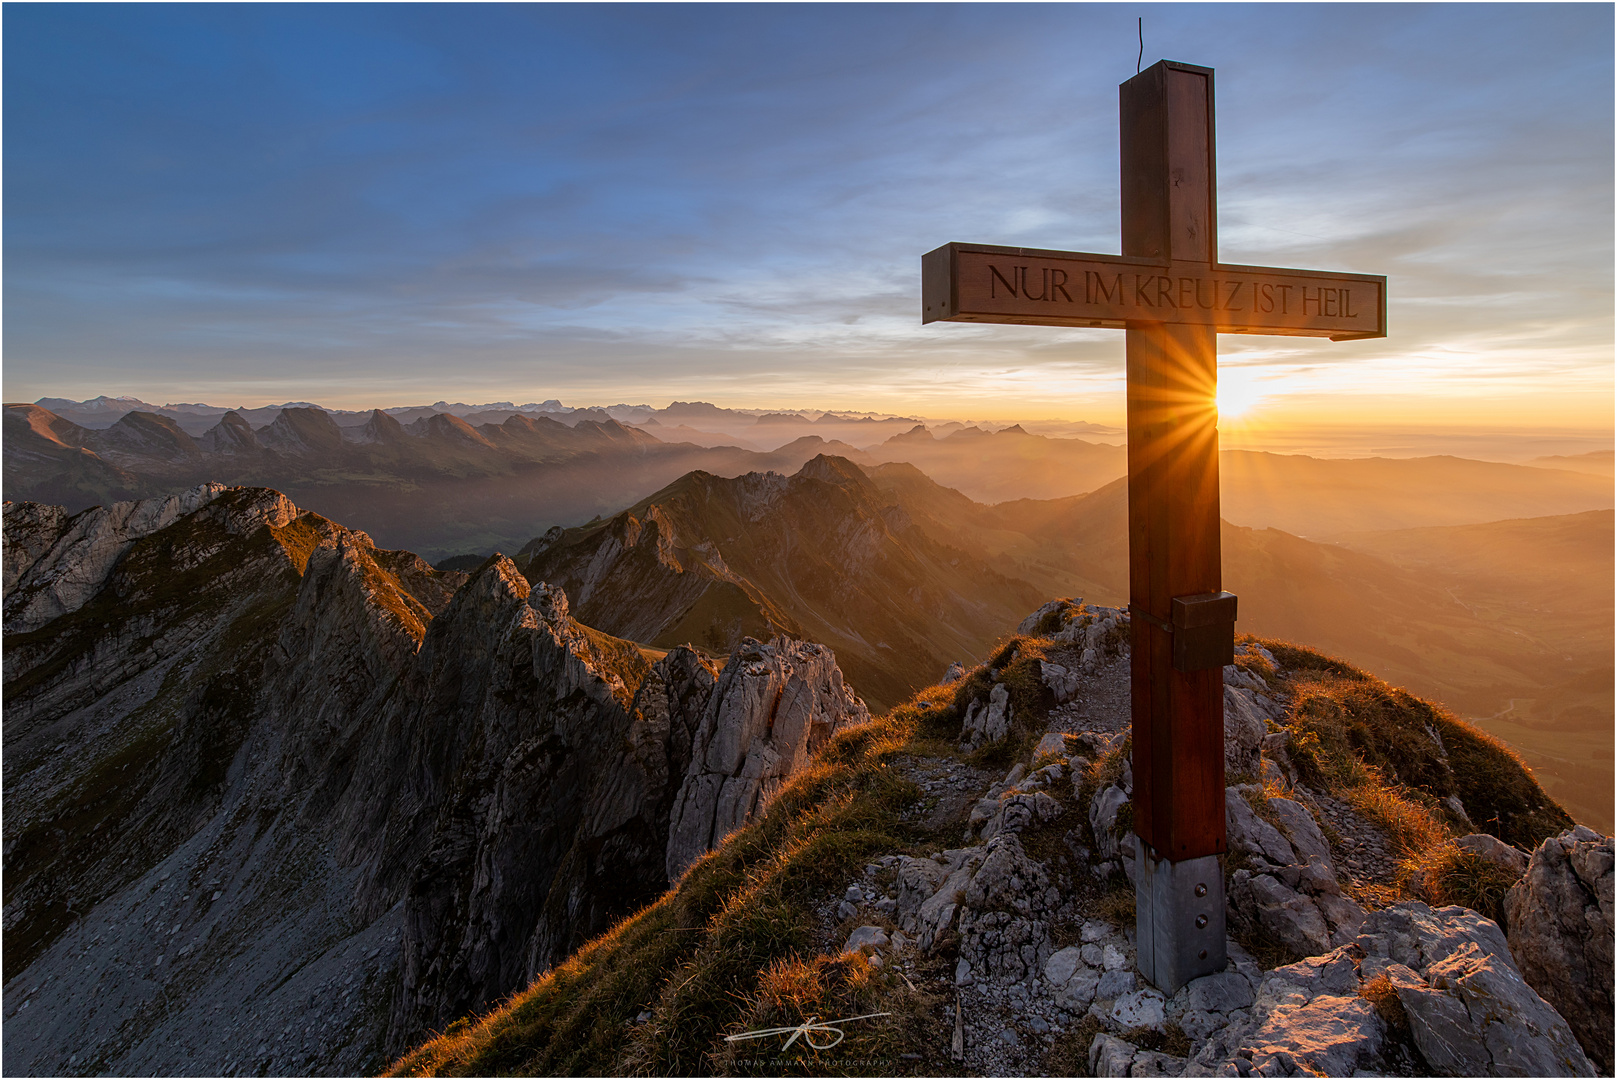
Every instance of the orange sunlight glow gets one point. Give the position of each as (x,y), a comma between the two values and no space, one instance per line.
(1239,392)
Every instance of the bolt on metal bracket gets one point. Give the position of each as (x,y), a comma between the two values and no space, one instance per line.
(1179,918)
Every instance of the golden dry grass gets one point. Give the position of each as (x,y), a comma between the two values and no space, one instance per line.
(732,945)
(727,944)
(1446,875)
(1397,758)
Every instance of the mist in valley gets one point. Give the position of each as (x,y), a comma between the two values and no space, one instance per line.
(1486,585)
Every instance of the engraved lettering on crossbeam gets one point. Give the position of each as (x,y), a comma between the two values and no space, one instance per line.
(974,283)
(1177,291)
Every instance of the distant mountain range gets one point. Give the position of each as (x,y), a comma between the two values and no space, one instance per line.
(442,483)
(760,429)
(197,418)
(438,484)
(1511,617)
(822,555)
(1350,554)
(698,422)
(1598,462)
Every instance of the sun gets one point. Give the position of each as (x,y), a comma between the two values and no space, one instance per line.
(1239,392)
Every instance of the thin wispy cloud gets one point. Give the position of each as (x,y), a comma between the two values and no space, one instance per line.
(545,200)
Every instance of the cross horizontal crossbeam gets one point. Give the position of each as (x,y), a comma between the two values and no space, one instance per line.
(1034,286)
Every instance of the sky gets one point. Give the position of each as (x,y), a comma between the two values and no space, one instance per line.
(388,204)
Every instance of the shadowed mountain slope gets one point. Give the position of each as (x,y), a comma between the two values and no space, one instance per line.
(1510,617)
(281,802)
(434,482)
(821,555)
(50,456)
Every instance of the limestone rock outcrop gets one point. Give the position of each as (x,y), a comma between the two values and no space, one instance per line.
(54,564)
(1306,1018)
(987,721)
(1290,889)
(1470,1010)
(1004,931)
(1559,924)
(775,704)
(1404,990)
(1098,634)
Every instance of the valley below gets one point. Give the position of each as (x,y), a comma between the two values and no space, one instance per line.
(285,797)
(1481,584)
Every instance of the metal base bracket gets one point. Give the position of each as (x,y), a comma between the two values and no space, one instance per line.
(1179,918)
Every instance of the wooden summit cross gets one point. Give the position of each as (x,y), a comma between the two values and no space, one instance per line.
(1173,297)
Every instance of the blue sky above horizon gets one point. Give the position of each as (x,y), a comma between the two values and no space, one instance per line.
(383,204)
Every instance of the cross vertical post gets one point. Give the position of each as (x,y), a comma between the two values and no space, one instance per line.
(1177,701)
(1173,297)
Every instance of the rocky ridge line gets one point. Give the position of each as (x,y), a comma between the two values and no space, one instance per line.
(252,758)
(1402,990)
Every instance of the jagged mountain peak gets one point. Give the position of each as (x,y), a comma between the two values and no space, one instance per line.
(695,411)
(302,430)
(56,564)
(496,581)
(44,424)
(143,435)
(339,776)
(232,435)
(449,428)
(820,554)
(519,424)
(833,469)
(379,429)
(613,431)
(919,433)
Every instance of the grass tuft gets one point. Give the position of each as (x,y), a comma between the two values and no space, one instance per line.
(1069,1054)
(1015,662)
(1446,875)
(1397,757)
